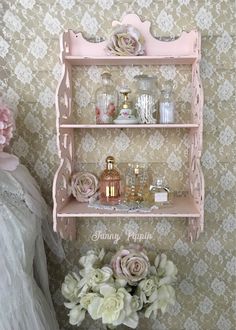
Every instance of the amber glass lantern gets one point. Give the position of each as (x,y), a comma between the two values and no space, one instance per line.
(110,184)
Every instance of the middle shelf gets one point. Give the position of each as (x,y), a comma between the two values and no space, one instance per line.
(177,125)
(180,207)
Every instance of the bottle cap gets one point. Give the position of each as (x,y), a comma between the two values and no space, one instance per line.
(159,182)
(110,160)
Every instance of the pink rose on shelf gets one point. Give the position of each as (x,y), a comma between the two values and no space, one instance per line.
(84,186)
(6,126)
(131,264)
(126,40)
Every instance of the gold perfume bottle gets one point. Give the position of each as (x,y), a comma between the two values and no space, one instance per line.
(135,190)
(110,184)
(159,193)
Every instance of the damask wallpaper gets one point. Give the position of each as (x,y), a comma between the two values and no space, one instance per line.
(30,70)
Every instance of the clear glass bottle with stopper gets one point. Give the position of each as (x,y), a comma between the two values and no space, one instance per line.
(160,193)
(135,188)
(106,100)
(110,184)
(126,113)
(167,105)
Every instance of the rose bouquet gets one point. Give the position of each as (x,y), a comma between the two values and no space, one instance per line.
(116,293)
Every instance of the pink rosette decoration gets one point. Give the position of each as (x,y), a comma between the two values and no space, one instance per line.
(84,186)
(125,40)
(8,162)
(131,264)
(6,126)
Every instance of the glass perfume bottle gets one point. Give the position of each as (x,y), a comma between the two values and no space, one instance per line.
(136,183)
(135,191)
(110,184)
(126,113)
(106,100)
(167,105)
(146,99)
(159,193)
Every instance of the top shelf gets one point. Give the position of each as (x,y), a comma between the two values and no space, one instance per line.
(185,49)
(129,60)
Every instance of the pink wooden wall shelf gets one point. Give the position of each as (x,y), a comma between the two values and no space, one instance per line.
(75,50)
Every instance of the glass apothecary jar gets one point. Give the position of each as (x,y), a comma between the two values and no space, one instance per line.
(106,100)
(146,99)
(167,105)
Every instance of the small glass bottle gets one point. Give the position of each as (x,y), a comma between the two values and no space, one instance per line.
(159,193)
(110,184)
(106,100)
(167,105)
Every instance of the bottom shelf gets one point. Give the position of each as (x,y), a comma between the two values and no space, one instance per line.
(181,207)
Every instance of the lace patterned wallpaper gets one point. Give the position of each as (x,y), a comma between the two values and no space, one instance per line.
(29,73)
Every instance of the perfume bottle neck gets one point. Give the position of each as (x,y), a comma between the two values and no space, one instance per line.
(110,166)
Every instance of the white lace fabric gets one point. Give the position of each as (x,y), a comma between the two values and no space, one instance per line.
(25,300)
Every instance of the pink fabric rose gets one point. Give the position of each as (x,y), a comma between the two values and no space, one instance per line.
(6,126)
(131,264)
(125,40)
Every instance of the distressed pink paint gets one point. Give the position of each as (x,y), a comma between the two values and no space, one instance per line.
(75,50)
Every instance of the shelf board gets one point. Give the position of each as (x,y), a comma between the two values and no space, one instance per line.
(129,60)
(181,207)
(129,126)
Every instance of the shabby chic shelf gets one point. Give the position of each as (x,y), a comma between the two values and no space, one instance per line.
(75,50)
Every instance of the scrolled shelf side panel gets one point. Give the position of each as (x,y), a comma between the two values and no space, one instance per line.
(185,45)
(196,177)
(61,184)
(63,101)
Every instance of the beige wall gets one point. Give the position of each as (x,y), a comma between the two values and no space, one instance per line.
(29,74)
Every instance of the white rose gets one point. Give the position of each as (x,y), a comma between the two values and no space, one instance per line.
(114,308)
(70,287)
(86,300)
(98,277)
(165,267)
(165,296)
(91,258)
(148,286)
(76,315)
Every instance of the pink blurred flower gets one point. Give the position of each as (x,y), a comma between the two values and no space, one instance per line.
(6,126)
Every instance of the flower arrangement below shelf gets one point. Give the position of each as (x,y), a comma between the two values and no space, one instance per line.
(118,289)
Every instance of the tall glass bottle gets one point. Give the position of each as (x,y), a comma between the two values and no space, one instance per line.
(106,100)
(110,184)
(146,99)
(167,105)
